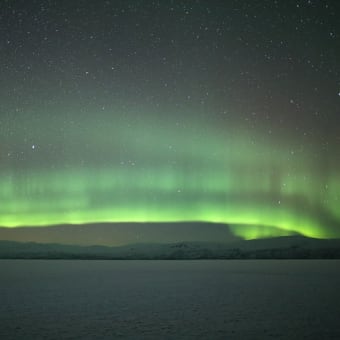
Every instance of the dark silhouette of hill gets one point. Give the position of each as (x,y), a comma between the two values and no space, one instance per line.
(295,247)
(117,234)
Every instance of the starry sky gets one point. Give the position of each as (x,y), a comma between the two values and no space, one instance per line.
(171,111)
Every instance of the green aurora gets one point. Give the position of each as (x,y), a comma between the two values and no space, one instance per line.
(147,170)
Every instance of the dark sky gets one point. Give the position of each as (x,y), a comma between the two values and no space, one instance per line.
(138,111)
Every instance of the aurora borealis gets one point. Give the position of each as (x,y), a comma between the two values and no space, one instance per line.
(172,111)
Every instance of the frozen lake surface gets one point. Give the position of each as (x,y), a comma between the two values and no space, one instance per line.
(268,299)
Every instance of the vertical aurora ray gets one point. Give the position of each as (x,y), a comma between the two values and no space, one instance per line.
(107,171)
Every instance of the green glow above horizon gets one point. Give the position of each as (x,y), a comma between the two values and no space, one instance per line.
(100,172)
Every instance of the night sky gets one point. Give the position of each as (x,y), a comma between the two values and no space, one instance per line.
(171,111)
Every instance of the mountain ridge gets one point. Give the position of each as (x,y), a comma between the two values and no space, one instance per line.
(116,234)
(287,247)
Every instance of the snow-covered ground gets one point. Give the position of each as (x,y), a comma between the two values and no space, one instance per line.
(219,299)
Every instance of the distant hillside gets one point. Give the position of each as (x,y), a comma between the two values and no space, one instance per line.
(118,234)
(278,248)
